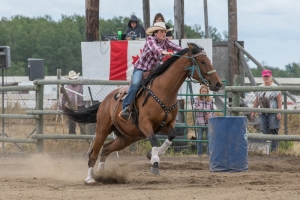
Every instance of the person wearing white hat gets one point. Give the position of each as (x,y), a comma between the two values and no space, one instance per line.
(157,45)
(76,100)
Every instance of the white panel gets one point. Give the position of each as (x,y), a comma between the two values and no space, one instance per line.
(135,48)
(95,65)
(175,42)
(95,60)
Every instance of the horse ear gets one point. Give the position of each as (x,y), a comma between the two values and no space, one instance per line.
(190,46)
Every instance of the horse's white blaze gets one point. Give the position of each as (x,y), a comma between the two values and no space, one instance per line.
(163,148)
(90,177)
(101,166)
(154,157)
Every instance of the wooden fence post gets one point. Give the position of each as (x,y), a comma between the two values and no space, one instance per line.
(285,122)
(40,121)
(92,20)
(146,13)
(236,95)
(179,20)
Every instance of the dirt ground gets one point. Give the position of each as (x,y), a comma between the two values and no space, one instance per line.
(38,176)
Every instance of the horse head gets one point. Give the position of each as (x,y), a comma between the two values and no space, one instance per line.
(202,69)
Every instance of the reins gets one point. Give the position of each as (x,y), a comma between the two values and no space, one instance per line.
(195,67)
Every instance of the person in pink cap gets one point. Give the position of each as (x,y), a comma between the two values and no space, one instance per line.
(269,122)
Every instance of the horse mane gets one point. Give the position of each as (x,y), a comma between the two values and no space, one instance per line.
(162,68)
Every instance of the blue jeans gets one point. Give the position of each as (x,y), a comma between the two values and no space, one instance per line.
(269,124)
(136,78)
(199,144)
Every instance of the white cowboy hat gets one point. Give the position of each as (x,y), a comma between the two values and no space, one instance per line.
(72,75)
(157,26)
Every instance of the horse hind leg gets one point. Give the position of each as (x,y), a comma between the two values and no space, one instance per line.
(101,136)
(119,143)
(101,165)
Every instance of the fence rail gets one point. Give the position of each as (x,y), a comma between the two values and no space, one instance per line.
(39,111)
(236,109)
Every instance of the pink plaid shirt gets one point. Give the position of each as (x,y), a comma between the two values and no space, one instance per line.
(151,55)
(203,105)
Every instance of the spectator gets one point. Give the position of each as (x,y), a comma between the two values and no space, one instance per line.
(156,45)
(160,18)
(134,29)
(203,103)
(76,99)
(269,122)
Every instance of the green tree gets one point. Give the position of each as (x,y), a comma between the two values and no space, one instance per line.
(59,42)
(256,72)
(293,70)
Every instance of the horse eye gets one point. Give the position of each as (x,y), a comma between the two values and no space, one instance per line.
(202,62)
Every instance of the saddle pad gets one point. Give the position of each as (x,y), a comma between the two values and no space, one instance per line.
(124,91)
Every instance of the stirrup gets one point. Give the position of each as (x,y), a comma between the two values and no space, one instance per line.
(125,114)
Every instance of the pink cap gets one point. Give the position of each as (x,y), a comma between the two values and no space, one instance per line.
(266,72)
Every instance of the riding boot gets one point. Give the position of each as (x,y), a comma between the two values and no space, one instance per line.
(125,114)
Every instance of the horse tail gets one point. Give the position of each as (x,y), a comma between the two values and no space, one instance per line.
(87,115)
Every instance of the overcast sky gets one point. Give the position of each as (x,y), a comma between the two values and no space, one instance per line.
(269,28)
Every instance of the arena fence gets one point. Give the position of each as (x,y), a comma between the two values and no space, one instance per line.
(32,112)
(290,116)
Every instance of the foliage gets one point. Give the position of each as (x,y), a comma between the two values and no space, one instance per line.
(291,71)
(110,26)
(286,145)
(59,42)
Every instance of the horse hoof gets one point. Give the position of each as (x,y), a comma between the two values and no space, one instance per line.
(149,154)
(154,171)
(89,181)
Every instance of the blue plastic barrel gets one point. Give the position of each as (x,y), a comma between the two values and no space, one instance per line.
(228,144)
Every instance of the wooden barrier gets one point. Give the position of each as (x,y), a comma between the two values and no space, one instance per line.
(17,140)
(38,113)
(259,136)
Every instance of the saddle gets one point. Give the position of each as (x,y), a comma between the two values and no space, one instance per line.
(123,91)
(120,96)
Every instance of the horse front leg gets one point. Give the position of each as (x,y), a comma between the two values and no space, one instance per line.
(167,143)
(154,158)
(165,146)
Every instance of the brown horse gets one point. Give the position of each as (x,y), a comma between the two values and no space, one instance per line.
(154,110)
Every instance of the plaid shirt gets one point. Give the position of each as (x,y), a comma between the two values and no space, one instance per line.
(151,55)
(203,105)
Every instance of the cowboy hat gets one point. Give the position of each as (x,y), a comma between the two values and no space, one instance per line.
(157,26)
(72,75)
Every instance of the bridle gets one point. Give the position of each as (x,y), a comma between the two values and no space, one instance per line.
(195,67)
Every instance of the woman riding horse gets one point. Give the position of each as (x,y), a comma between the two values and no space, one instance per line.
(155,108)
(156,45)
